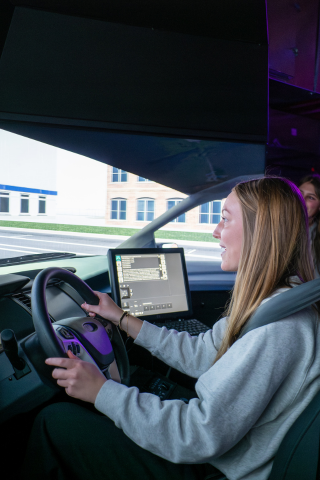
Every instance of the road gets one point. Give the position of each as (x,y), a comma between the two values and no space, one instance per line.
(15,243)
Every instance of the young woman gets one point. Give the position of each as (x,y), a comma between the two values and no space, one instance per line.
(310,189)
(250,390)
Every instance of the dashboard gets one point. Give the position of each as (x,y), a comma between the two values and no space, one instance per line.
(209,288)
(16,312)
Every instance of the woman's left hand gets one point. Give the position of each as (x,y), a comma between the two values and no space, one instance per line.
(80,379)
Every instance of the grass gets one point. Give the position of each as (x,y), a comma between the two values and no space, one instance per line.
(128,232)
(195,236)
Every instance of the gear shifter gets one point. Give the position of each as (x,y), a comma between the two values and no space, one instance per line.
(10,347)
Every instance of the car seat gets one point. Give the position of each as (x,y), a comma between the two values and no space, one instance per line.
(298,454)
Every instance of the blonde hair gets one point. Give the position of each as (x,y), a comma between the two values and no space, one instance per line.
(275,247)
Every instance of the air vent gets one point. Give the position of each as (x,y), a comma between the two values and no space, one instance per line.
(23,299)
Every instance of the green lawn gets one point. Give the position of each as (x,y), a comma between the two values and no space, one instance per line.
(200,237)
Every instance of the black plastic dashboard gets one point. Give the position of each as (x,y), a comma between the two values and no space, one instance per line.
(16,313)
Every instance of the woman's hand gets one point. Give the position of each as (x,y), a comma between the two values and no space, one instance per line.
(106,308)
(80,379)
(109,310)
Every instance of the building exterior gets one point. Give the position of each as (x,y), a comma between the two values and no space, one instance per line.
(134,201)
(82,188)
(28,183)
(42,183)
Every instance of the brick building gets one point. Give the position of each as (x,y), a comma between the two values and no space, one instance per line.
(134,201)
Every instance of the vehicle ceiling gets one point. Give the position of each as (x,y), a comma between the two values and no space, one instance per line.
(174,91)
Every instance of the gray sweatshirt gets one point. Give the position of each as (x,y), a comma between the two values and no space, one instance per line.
(246,402)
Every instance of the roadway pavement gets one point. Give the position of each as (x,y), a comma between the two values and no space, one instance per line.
(15,242)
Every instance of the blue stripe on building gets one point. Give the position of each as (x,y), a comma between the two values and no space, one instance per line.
(27,190)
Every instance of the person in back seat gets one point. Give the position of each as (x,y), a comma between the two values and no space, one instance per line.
(310,189)
(250,389)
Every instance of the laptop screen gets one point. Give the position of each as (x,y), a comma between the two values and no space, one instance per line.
(151,283)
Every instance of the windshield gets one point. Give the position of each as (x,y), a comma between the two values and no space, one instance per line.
(57,205)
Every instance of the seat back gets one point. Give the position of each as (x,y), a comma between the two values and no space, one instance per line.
(297,457)
(298,454)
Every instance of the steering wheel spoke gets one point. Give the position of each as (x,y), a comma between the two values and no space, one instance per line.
(114,371)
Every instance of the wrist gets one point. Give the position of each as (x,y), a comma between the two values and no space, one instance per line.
(124,318)
(98,389)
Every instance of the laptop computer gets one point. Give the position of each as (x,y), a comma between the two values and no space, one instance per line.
(152,284)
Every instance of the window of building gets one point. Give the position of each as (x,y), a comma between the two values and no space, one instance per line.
(171,203)
(4,202)
(119,175)
(118,209)
(142,179)
(145,209)
(210,212)
(42,205)
(24,204)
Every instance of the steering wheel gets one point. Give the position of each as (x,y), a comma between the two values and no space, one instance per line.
(86,336)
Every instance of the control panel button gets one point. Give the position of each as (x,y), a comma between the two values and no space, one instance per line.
(74,347)
(65,333)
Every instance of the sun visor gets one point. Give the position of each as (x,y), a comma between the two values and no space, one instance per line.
(186,165)
(141,94)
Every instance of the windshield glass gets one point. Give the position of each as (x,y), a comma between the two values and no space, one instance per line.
(57,205)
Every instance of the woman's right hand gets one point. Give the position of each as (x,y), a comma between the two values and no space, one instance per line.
(106,308)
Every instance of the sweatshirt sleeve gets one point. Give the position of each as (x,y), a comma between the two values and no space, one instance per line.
(192,355)
(232,395)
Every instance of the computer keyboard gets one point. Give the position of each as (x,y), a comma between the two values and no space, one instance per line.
(192,326)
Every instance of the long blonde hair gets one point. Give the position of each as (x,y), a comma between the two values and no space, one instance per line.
(275,247)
